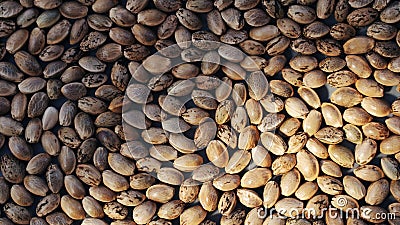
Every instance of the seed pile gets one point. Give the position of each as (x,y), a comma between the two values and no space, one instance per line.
(97,129)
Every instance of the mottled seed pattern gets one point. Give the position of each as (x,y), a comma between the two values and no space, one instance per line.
(286,104)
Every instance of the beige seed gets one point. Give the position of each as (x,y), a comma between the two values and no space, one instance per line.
(227,182)
(369,173)
(72,208)
(376,107)
(306,191)
(346,97)
(330,168)
(293,178)
(238,161)
(256,177)
(249,198)
(353,133)
(208,197)
(377,192)
(309,167)
(194,215)
(332,115)
(354,187)
(160,193)
(295,107)
(341,155)
(387,146)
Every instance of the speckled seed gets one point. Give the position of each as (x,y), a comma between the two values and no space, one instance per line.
(283,164)
(362,17)
(342,31)
(249,198)
(188,19)
(396,108)
(329,135)
(353,133)
(375,130)
(17,214)
(393,124)
(370,173)
(256,17)
(171,210)
(92,64)
(389,14)
(330,185)
(342,78)
(391,168)
(227,203)
(370,88)
(227,182)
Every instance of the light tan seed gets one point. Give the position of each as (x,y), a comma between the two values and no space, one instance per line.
(227,182)
(238,161)
(377,192)
(317,148)
(358,45)
(370,173)
(193,215)
(249,198)
(346,97)
(171,210)
(290,126)
(332,115)
(387,146)
(306,191)
(376,107)
(341,155)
